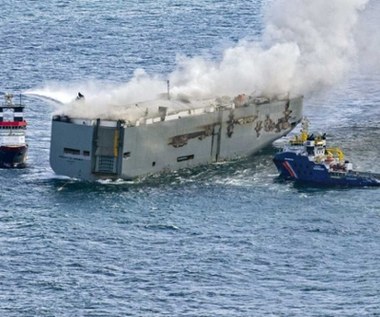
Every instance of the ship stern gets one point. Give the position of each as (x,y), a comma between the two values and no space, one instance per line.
(70,148)
(86,149)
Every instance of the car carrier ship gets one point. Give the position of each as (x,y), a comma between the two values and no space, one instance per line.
(172,134)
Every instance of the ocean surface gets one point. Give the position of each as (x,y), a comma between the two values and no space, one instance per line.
(222,240)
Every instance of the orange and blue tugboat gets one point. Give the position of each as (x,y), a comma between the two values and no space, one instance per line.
(13,149)
(306,158)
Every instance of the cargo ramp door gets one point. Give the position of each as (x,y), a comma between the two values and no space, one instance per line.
(107,149)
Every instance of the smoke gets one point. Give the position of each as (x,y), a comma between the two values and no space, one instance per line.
(323,30)
(140,85)
(367,36)
(307,45)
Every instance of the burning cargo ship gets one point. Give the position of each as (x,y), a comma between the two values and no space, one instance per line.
(171,134)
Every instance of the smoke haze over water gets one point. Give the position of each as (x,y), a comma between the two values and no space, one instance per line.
(306,45)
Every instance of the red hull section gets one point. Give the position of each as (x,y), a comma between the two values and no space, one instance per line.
(13,124)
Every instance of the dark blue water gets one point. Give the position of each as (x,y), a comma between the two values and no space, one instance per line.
(223,240)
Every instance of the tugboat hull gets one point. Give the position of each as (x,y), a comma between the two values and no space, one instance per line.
(307,159)
(13,156)
(298,168)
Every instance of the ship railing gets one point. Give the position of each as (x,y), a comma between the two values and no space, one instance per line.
(365,174)
(8,103)
(296,142)
(174,115)
(297,148)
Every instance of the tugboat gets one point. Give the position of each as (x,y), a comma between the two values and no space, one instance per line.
(13,149)
(306,158)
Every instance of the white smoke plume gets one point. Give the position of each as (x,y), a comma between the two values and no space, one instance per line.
(306,45)
(367,37)
(323,31)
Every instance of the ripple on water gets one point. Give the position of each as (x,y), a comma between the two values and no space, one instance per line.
(226,239)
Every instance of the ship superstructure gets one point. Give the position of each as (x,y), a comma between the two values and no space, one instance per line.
(201,132)
(13,148)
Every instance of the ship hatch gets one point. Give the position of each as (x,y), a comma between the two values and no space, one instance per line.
(106,149)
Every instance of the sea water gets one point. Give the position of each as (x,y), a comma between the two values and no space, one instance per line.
(222,240)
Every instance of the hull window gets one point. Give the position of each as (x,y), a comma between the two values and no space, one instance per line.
(185,158)
(71,151)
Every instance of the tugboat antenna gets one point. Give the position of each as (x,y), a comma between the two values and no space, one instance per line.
(168,87)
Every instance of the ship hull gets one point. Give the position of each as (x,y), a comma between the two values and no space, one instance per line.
(300,169)
(98,149)
(12,156)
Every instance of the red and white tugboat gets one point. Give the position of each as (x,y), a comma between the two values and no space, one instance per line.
(13,148)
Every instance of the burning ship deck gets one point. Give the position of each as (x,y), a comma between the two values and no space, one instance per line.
(205,132)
